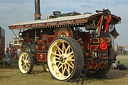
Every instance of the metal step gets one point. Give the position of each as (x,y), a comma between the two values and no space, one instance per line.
(83,74)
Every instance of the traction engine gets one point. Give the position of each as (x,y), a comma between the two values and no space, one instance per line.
(68,44)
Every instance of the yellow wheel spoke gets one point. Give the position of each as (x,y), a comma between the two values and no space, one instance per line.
(54,62)
(63,70)
(67,69)
(72,56)
(72,64)
(56,54)
(70,60)
(57,58)
(27,67)
(67,49)
(69,54)
(69,65)
(58,64)
(63,47)
(60,67)
(59,50)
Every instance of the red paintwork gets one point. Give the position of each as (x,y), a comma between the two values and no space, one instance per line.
(50,39)
(103,45)
(93,47)
(107,39)
(68,29)
(106,21)
(41,57)
(93,65)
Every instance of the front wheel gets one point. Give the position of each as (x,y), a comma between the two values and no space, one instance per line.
(65,59)
(25,62)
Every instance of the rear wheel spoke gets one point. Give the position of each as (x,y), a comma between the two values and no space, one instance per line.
(70,60)
(60,67)
(67,69)
(56,54)
(63,48)
(64,71)
(66,51)
(69,65)
(59,50)
(72,64)
(54,62)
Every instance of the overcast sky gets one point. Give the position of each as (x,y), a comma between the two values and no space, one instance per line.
(13,11)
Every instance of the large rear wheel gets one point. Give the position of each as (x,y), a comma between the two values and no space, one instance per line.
(65,59)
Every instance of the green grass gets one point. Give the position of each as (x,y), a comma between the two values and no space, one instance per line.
(12,76)
(123,61)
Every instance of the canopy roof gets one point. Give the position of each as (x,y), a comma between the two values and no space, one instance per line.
(61,21)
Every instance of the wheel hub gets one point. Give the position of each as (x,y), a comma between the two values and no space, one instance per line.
(62,59)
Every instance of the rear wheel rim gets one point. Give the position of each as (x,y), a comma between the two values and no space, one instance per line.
(61,59)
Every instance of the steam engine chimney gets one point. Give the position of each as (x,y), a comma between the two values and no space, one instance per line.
(37,10)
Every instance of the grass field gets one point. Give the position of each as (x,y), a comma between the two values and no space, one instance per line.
(11,76)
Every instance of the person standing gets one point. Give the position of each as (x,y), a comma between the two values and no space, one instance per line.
(8,56)
(18,52)
(10,52)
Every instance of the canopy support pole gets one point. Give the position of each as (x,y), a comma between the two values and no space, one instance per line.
(14,33)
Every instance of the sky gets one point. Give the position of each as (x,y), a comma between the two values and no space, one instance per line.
(14,11)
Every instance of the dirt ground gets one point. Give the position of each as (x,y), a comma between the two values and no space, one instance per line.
(11,76)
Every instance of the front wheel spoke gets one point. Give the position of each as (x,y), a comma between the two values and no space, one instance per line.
(22,61)
(28,64)
(28,61)
(26,57)
(23,57)
(27,67)
(23,67)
